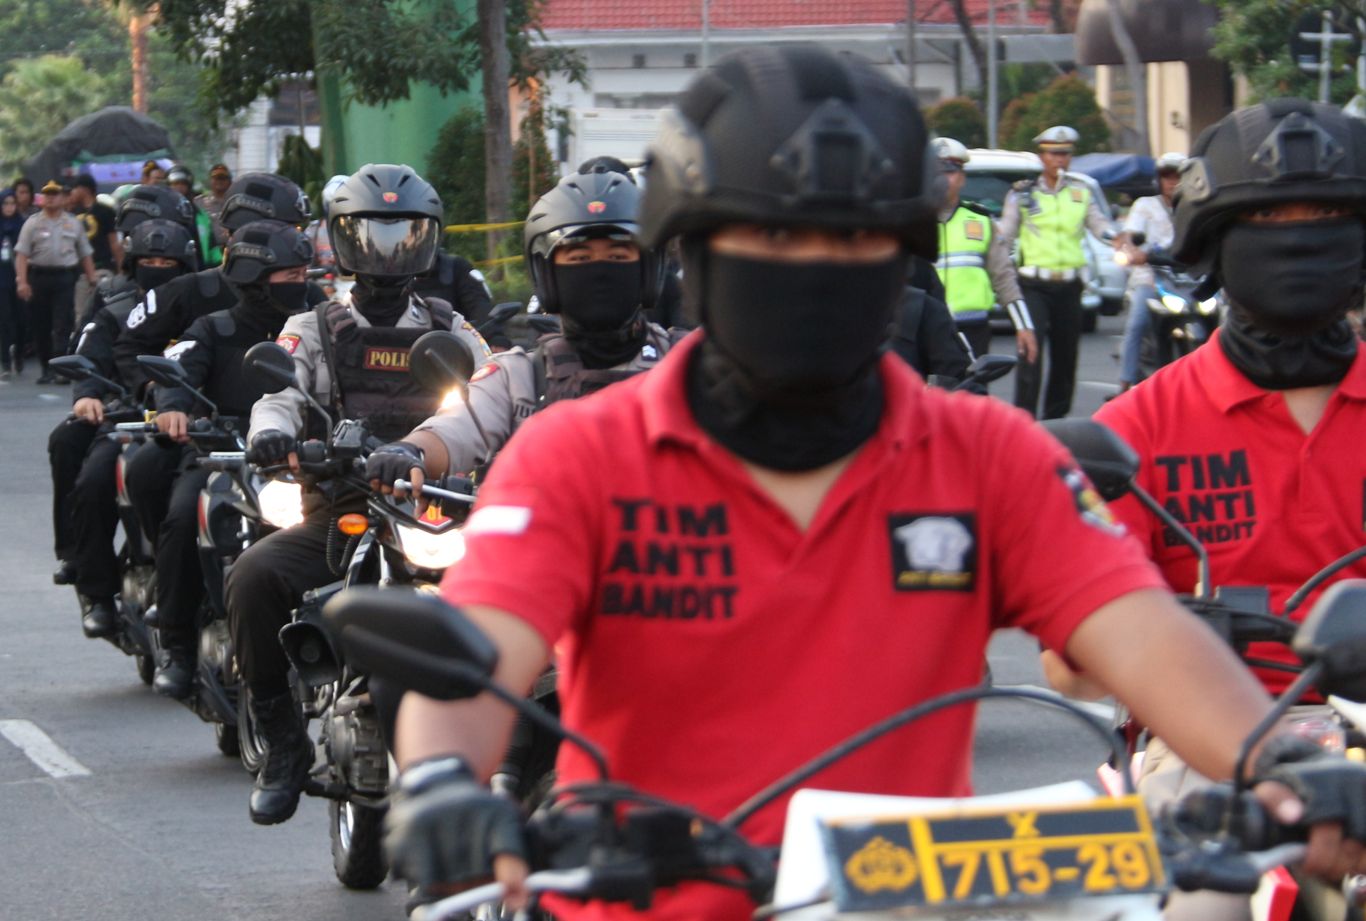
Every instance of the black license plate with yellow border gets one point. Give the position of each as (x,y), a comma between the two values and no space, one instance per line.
(971,857)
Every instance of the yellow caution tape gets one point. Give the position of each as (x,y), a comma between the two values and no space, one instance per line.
(505,260)
(470,228)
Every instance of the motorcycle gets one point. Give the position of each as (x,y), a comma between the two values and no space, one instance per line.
(1081,857)
(1178,322)
(391,545)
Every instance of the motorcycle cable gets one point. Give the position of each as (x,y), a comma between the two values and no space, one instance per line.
(1318,578)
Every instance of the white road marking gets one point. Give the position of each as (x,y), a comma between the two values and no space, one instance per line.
(1104,711)
(41,750)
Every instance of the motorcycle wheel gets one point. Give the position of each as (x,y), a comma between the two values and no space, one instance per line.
(228,742)
(146,667)
(357,856)
(251,748)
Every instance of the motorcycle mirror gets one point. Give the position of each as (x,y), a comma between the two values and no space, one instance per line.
(73,367)
(1107,461)
(268,367)
(412,639)
(988,368)
(543,324)
(503,312)
(165,371)
(439,361)
(1334,636)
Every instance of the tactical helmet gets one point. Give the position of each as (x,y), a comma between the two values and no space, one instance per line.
(263,196)
(594,204)
(261,247)
(330,192)
(157,237)
(793,135)
(146,202)
(1282,150)
(385,223)
(179,173)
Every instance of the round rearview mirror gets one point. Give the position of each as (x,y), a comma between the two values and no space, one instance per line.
(268,367)
(439,361)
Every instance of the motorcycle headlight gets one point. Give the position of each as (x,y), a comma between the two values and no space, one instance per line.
(1173,304)
(426,550)
(453,397)
(1208,307)
(282,503)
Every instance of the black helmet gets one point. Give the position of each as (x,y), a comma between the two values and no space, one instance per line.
(1283,150)
(594,204)
(385,223)
(180,173)
(147,202)
(157,237)
(793,135)
(262,247)
(263,197)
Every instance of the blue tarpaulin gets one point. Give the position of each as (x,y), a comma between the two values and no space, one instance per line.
(1114,169)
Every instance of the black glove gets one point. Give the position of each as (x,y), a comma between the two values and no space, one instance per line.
(392,462)
(1332,788)
(271,447)
(444,827)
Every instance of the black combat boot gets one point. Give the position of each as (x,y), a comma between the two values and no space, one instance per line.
(175,673)
(289,755)
(100,618)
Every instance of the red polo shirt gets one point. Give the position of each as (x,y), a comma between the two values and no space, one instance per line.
(1271,504)
(711,646)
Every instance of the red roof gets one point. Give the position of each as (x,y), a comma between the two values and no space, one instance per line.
(605,15)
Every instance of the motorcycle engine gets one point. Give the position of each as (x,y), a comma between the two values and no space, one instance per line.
(356,746)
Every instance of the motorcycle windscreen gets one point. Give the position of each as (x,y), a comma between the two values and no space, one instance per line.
(379,246)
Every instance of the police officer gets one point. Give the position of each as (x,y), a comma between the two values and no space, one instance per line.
(974,263)
(1049,217)
(585,259)
(52,248)
(168,311)
(385,227)
(455,279)
(85,516)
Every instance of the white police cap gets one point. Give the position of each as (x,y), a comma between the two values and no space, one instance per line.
(1169,161)
(1059,137)
(949,149)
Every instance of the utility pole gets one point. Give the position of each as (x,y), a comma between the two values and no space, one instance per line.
(137,42)
(706,34)
(991,73)
(1357,106)
(910,44)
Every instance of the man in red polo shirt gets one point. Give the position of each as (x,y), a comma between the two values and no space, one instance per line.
(779,535)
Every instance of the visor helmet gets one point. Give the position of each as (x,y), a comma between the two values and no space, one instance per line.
(384,223)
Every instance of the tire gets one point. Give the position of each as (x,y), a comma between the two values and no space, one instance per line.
(226,737)
(146,667)
(357,837)
(251,748)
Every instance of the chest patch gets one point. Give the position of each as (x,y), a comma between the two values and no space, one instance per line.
(974,230)
(933,552)
(1076,195)
(386,358)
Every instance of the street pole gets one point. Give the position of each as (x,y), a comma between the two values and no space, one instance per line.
(910,44)
(1325,57)
(706,34)
(991,73)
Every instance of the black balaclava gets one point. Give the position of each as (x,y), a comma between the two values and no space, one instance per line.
(600,310)
(149,277)
(266,304)
(382,300)
(1289,289)
(787,374)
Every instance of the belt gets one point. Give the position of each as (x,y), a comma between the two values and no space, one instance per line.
(1032,271)
(53,269)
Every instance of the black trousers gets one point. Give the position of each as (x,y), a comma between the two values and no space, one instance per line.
(13,322)
(264,587)
(67,447)
(95,521)
(52,309)
(1055,308)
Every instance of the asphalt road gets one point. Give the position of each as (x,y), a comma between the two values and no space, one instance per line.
(133,814)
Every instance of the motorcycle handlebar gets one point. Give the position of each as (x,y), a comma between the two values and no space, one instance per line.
(565,882)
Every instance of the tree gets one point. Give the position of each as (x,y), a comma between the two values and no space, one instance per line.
(979,55)
(1254,38)
(55,89)
(960,119)
(1065,101)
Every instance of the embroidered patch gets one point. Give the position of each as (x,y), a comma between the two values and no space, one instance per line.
(1077,195)
(649,352)
(386,359)
(178,349)
(487,370)
(933,552)
(1090,506)
(974,230)
(288,342)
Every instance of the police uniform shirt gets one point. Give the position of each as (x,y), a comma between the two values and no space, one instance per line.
(1013,221)
(53,243)
(503,396)
(285,411)
(1000,265)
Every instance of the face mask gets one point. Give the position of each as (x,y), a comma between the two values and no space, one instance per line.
(598,296)
(381,304)
(1293,279)
(149,277)
(289,296)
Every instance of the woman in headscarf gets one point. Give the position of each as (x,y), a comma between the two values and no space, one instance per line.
(13,312)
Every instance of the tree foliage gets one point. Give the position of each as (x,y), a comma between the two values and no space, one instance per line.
(1254,38)
(55,89)
(1065,101)
(960,119)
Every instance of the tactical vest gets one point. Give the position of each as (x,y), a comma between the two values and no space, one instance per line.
(369,369)
(228,386)
(121,294)
(561,375)
(962,265)
(1051,235)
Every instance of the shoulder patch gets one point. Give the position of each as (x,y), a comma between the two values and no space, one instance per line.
(488,370)
(649,352)
(1077,195)
(289,342)
(1090,506)
(974,230)
(137,316)
(178,349)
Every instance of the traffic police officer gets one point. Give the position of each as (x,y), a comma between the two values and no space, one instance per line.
(1049,217)
(583,253)
(52,248)
(975,265)
(266,264)
(385,226)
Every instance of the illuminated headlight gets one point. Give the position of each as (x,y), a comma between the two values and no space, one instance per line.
(1208,307)
(282,503)
(452,398)
(426,550)
(1173,304)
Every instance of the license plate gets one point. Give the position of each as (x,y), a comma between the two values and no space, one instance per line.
(1100,848)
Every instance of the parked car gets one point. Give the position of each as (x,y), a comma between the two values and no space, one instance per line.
(991,173)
